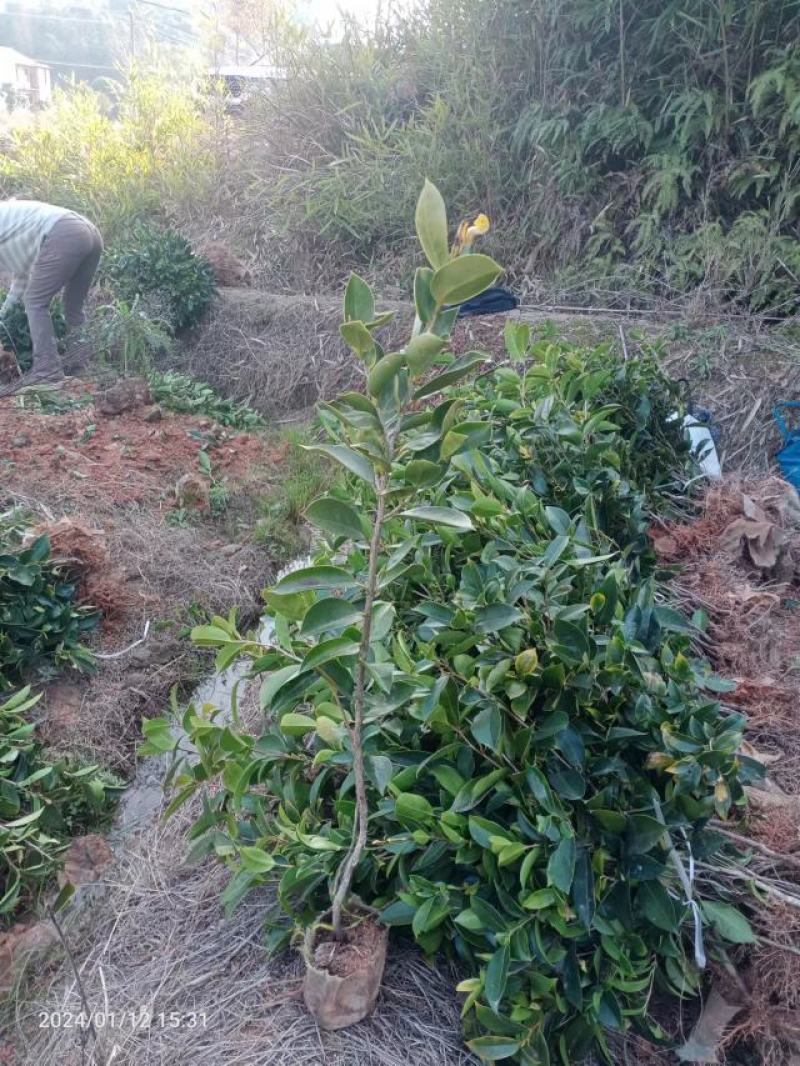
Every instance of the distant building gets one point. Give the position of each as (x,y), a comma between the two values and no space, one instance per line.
(24,82)
(241,81)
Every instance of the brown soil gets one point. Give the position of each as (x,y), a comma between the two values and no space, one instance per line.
(353,953)
(104,488)
(113,460)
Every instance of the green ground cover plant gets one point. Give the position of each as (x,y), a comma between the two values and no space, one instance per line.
(480,715)
(41,625)
(44,800)
(186,395)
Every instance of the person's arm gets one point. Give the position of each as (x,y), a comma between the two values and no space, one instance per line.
(15,293)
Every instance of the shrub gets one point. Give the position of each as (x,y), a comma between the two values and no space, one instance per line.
(42,802)
(159,268)
(15,332)
(41,626)
(478,707)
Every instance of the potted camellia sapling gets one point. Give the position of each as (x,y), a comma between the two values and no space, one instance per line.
(345,951)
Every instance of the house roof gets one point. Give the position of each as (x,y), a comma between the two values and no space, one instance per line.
(254,71)
(17,57)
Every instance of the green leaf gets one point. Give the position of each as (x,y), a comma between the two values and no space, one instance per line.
(383,371)
(730,923)
(538,900)
(429,916)
(256,859)
(412,809)
(379,768)
(291,605)
(297,725)
(517,338)
(644,832)
(422,350)
(358,337)
(558,520)
(316,577)
(336,517)
(328,650)
(561,865)
(63,898)
(328,615)
(583,888)
(353,461)
(440,516)
(463,278)
(423,301)
(458,370)
(422,473)
(359,303)
(487,727)
(494,1048)
(657,906)
(274,682)
(572,638)
(497,977)
(495,617)
(431,224)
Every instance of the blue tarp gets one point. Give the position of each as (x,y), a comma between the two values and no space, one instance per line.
(789,455)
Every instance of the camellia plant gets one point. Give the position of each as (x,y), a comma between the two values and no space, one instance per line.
(481,720)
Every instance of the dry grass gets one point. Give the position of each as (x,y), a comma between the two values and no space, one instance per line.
(170,577)
(159,942)
(280,354)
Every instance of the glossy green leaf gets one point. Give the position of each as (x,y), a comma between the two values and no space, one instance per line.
(440,516)
(351,460)
(561,865)
(359,303)
(463,278)
(335,516)
(431,224)
(497,977)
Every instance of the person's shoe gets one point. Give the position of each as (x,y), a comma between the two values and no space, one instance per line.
(44,375)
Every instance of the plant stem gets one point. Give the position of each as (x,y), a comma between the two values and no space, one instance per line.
(344,876)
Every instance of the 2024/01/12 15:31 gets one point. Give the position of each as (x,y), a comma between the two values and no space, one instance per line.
(144,1018)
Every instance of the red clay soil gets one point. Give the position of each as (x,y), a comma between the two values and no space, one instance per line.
(123,459)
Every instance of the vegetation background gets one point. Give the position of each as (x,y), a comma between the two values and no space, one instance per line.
(628,153)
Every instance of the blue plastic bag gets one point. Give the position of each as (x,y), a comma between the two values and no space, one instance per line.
(789,455)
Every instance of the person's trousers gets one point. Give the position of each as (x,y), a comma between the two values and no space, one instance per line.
(67,261)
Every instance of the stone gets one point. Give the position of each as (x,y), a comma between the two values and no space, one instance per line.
(18,945)
(229,271)
(63,700)
(192,491)
(155,414)
(125,395)
(85,860)
(22,440)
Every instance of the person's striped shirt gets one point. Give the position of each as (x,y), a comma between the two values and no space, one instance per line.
(23,226)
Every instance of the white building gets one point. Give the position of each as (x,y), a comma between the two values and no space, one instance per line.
(24,81)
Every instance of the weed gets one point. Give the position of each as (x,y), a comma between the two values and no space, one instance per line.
(303,476)
(129,338)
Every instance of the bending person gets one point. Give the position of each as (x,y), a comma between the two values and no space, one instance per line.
(46,250)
